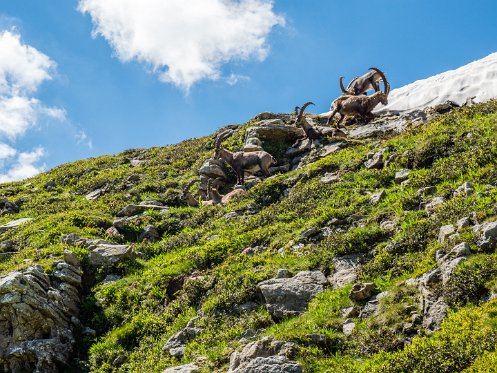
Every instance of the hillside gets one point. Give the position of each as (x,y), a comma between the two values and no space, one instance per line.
(375,254)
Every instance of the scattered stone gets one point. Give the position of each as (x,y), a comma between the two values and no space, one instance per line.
(329,178)
(371,307)
(401,176)
(49,185)
(177,343)
(311,232)
(14,224)
(375,161)
(265,356)
(112,232)
(111,278)
(463,223)
(7,207)
(434,204)
(247,307)
(213,168)
(377,197)
(137,162)
(348,327)
(445,232)
(465,190)
(345,270)
(104,255)
(149,234)
(487,235)
(289,296)
(361,291)
(300,147)
(97,193)
(426,191)
(388,225)
(350,312)
(254,250)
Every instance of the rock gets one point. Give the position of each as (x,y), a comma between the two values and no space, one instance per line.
(444,107)
(348,327)
(462,249)
(265,356)
(137,162)
(14,224)
(7,246)
(376,161)
(463,223)
(188,368)
(71,258)
(465,190)
(71,239)
(49,185)
(35,320)
(308,233)
(252,144)
(149,234)
(445,231)
(97,193)
(388,225)
(361,291)
(7,207)
(330,177)
(350,312)
(300,147)
(330,149)
(274,131)
(448,267)
(68,273)
(104,255)
(377,197)
(112,232)
(213,168)
(434,204)
(290,296)
(401,176)
(371,307)
(177,343)
(345,268)
(151,203)
(131,210)
(111,278)
(487,235)
(434,313)
(426,191)
(283,273)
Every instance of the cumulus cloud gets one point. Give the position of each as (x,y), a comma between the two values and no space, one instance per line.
(22,165)
(22,70)
(184,41)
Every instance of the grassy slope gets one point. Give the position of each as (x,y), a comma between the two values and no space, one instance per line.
(201,248)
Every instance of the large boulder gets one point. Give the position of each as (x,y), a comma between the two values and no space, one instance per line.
(290,296)
(274,130)
(104,255)
(213,168)
(131,210)
(265,356)
(36,310)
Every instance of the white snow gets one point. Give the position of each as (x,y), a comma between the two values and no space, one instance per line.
(478,79)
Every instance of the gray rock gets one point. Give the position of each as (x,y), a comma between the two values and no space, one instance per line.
(348,327)
(465,190)
(14,224)
(104,255)
(388,225)
(265,356)
(487,235)
(463,223)
(290,296)
(188,368)
(330,177)
(377,197)
(137,162)
(283,273)
(308,233)
(401,176)
(131,210)
(350,312)
(111,278)
(149,234)
(71,258)
(448,267)
(35,320)
(445,232)
(376,161)
(345,270)
(426,191)
(275,131)
(300,147)
(361,291)
(432,206)
(177,343)
(213,169)
(97,193)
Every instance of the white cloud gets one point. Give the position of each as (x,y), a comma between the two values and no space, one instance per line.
(23,166)
(83,138)
(22,70)
(184,41)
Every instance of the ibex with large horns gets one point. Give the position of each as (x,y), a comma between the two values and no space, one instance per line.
(362,106)
(314,132)
(361,84)
(187,196)
(243,161)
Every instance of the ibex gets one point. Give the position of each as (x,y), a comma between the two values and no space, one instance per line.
(217,198)
(243,161)
(314,132)
(362,106)
(187,196)
(361,84)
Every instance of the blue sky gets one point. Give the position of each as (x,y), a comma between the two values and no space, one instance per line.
(228,60)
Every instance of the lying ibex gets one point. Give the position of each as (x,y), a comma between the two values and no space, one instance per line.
(361,106)
(314,132)
(361,84)
(187,196)
(216,197)
(243,161)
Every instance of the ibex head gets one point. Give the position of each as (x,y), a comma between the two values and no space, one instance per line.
(384,94)
(217,144)
(299,114)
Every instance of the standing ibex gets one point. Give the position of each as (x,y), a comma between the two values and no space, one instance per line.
(314,132)
(361,84)
(243,161)
(362,106)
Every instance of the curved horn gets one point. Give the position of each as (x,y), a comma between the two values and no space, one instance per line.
(341,85)
(297,111)
(303,109)
(219,138)
(385,81)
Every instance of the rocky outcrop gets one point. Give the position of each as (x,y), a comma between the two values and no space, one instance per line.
(290,296)
(36,316)
(264,356)
(345,270)
(274,130)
